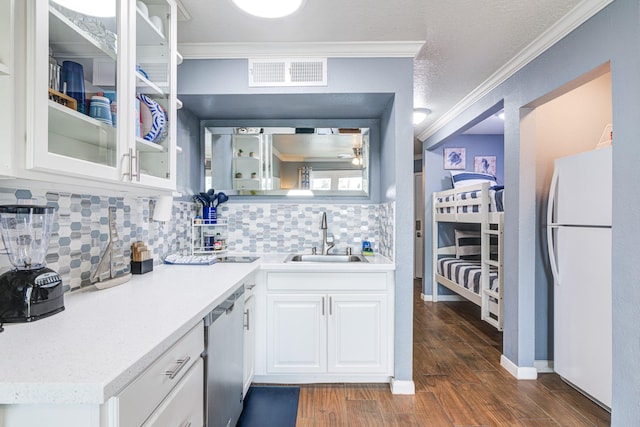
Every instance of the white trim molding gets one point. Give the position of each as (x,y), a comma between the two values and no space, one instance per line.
(441,298)
(544,366)
(407,49)
(520,372)
(402,387)
(572,20)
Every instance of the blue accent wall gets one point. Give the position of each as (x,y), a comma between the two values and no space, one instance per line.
(395,173)
(612,36)
(438,178)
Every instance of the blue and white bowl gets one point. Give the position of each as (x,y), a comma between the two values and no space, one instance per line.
(157,128)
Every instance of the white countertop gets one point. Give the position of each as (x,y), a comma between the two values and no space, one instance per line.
(106,338)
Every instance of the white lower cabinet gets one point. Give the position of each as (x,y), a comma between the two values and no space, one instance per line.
(147,397)
(296,333)
(170,392)
(183,407)
(357,335)
(249,339)
(346,330)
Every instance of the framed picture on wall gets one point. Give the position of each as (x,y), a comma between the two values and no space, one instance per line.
(485,164)
(455,158)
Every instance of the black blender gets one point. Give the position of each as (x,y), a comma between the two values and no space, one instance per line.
(30,291)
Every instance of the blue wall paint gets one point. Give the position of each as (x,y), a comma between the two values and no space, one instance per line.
(190,168)
(439,179)
(611,35)
(475,145)
(352,75)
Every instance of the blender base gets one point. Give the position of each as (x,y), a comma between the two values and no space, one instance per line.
(29,295)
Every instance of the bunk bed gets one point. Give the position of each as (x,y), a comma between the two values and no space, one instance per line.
(473,266)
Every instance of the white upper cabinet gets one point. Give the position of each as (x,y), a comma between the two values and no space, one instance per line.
(155,62)
(102,104)
(7,84)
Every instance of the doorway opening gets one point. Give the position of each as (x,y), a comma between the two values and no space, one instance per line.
(570,122)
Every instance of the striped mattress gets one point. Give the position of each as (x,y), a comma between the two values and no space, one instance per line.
(495,195)
(466,273)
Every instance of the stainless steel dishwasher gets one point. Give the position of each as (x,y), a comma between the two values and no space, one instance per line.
(224,340)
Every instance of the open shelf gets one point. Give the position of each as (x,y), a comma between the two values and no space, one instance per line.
(148,146)
(75,125)
(146,86)
(199,244)
(146,32)
(67,39)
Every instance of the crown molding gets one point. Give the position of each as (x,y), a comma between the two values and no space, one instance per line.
(572,20)
(402,49)
(183,13)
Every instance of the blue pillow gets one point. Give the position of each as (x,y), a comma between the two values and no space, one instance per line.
(465,178)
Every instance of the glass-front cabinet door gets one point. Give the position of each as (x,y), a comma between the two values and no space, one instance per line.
(77,73)
(155,89)
(104,90)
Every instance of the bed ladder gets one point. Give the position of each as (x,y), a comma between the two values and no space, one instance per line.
(485,241)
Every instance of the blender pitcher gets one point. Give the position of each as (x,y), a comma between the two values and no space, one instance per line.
(26,231)
(30,291)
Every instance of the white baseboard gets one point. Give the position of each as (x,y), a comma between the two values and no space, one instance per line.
(520,372)
(425,297)
(543,366)
(402,387)
(451,298)
(442,297)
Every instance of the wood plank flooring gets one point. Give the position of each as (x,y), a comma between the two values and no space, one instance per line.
(459,382)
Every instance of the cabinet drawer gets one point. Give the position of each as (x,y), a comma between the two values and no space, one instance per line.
(185,405)
(141,397)
(337,281)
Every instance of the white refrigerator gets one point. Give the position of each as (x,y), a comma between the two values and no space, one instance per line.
(579,245)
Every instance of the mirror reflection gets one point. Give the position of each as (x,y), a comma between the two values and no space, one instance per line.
(287,161)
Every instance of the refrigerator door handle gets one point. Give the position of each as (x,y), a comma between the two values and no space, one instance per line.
(550,226)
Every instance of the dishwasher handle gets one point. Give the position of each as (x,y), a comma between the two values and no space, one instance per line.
(225,307)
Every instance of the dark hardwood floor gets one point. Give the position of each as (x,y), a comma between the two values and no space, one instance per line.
(459,382)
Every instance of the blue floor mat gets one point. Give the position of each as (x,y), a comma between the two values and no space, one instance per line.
(270,406)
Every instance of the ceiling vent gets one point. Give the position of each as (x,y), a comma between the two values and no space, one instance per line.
(288,72)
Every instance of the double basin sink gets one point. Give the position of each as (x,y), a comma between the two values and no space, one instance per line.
(325,258)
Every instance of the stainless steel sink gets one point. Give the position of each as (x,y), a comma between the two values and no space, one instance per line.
(325,258)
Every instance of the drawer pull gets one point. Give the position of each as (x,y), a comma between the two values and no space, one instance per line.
(181,364)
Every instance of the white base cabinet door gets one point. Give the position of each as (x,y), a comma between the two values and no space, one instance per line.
(296,333)
(357,333)
(331,326)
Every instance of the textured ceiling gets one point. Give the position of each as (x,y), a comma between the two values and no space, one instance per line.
(465,41)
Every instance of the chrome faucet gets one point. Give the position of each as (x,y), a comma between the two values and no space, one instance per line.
(326,244)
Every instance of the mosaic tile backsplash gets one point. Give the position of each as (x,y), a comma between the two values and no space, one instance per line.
(81,231)
(296,227)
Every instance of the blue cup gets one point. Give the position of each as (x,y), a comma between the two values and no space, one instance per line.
(100,109)
(209,215)
(72,78)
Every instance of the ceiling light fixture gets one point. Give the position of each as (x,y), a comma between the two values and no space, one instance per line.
(357,156)
(419,114)
(102,9)
(269,8)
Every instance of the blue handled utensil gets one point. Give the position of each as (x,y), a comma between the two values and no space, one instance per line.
(220,198)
